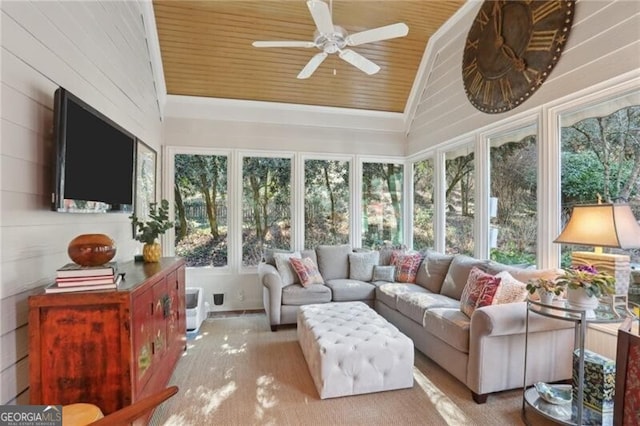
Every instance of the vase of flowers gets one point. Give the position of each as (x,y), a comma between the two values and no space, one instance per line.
(585,284)
(546,288)
(148,231)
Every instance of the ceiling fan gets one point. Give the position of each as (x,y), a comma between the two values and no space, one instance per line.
(333,39)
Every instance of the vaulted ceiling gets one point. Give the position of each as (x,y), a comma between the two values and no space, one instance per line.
(206,50)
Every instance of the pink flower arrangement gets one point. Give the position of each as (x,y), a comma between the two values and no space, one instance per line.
(593,282)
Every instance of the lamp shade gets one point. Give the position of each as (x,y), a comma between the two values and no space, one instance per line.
(601,225)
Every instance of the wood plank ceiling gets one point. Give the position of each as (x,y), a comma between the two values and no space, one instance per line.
(206,51)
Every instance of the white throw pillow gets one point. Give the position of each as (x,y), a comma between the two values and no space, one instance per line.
(361,265)
(510,290)
(287,273)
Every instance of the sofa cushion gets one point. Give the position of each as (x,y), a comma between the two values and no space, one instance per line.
(296,294)
(457,275)
(407,265)
(384,273)
(267,256)
(361,265)
(387,250)
(510,290)
(307,271)
(344,290)
(286,271)
(310,253)
(333,261)
(415,304)
(479,291)
(433,269)
(449,325)
(523,275)
(387,293)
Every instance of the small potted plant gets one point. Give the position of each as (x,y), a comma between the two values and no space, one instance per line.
(546,288)
(148,231)
(585,285)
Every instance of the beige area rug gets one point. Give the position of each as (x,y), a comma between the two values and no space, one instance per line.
(238,372)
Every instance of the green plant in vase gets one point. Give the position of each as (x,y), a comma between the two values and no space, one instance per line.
(147,231)
(546,288)
(585,285)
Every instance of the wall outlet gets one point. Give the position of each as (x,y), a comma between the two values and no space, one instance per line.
(240,295)
(218,299)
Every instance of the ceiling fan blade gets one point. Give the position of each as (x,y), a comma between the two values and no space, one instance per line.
(378,34)
(284,43)
(359,61)
(321,16)
(312,65)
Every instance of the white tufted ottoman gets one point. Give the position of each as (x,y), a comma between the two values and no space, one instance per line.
(351,350)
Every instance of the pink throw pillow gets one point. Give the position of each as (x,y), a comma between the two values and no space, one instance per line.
(307,271)
(479,291)
(407,265)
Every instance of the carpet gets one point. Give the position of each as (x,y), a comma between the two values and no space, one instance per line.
(236,371)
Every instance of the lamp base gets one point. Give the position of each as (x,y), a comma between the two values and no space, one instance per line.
(617,265)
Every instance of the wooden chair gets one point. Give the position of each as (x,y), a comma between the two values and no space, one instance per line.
(84,414)
(626,409)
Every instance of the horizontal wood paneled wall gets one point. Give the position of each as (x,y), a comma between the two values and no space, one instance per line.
(98,51)
(604,43)
(279,137)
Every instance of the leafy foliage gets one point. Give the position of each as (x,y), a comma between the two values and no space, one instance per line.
(594,283)
(546,284)
(158,223)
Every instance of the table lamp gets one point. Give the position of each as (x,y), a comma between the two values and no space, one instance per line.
(603,225)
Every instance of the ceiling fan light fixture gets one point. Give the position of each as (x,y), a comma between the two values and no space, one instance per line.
(332,39)
(331,43)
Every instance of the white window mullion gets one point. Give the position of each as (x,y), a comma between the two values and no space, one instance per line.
(407,201)
(482,190)
(355,183)
(439,201)
(234,217)
(297,203)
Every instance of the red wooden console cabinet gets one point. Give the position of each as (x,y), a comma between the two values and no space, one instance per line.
(109,348)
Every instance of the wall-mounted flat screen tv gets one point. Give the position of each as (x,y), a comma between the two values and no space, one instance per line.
(94,168)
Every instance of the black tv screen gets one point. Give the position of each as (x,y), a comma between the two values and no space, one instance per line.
(95,158)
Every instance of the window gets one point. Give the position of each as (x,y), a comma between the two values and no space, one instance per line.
(266,206)
(459,169)
(201,209)
(600,159)
(326,202)
(423,209)
(513,205)
(382,204)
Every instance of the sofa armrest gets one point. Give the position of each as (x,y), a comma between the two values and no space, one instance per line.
(509,319)
(497,347)
(270,277)
(271,291)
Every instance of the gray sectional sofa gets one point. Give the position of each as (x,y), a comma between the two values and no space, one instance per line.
(484,351)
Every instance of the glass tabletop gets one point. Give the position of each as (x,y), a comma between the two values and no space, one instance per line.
(610,309)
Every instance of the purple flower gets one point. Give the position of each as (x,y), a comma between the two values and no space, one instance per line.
(586,268)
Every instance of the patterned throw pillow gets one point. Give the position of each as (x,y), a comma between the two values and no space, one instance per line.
(510,290)
(407,265)
(307,271)
(479,291)
(285,269)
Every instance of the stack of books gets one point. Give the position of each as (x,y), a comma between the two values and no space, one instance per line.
(73,277)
